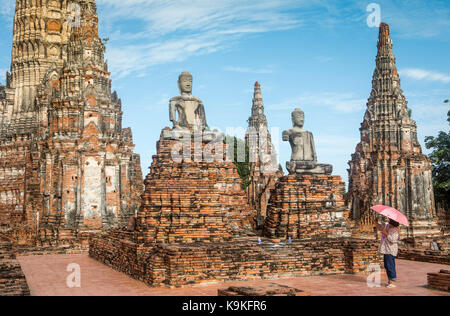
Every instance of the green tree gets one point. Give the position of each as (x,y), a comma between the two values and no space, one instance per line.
(243,168)
(440,158)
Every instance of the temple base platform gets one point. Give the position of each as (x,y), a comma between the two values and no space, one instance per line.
(177,265)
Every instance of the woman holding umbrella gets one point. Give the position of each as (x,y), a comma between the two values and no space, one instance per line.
(389,239)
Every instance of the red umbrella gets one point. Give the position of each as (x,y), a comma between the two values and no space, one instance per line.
(391,213)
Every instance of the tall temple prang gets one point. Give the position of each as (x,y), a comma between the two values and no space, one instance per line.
(67,165)
(388,166)
(264,168)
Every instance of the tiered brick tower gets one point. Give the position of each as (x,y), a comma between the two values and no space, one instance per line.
(264,169)
(388,166)
(41,33)
(66,163)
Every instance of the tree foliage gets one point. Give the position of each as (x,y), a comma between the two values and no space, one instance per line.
(243,167)
(440,157)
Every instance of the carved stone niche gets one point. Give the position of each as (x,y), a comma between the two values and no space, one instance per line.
(54,26)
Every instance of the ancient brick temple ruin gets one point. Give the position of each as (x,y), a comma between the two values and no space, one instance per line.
(388,166)
(264,169)
(309,202)
(191,200)
(66,163)
(193,224)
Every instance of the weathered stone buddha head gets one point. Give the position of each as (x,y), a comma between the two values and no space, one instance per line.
(298,118)
(185,83)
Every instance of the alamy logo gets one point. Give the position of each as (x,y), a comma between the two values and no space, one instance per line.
(374,278)
(374,18)
(74,278)
(209,147)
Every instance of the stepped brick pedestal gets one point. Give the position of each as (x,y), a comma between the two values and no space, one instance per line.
(306,207)
(191,200)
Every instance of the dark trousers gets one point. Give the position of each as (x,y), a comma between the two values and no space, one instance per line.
(389,265)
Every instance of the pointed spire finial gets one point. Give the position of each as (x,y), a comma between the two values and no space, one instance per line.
(384,28)
(386,81)
(258,117)
(384,37)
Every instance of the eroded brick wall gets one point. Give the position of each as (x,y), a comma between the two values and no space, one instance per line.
(308,206)
(244,259)
(13,161)
(12,279)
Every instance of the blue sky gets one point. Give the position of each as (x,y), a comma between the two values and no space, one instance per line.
(313,54)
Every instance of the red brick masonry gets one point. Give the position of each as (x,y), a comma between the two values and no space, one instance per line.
(440,257)
(12,279)
(240,259)
(439,281)
(185,232)
(190,201)
(308,206)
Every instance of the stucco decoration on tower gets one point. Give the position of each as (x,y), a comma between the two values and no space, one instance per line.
(67,165)
(388,166)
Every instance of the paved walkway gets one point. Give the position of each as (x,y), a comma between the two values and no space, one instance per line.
(46,276)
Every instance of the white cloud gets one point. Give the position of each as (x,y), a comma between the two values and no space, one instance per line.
(267,70)
(417,18)
(145,33)
(429,109)
(422,74)
(137,58)
(225,16)
(174,30)
(341,102)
